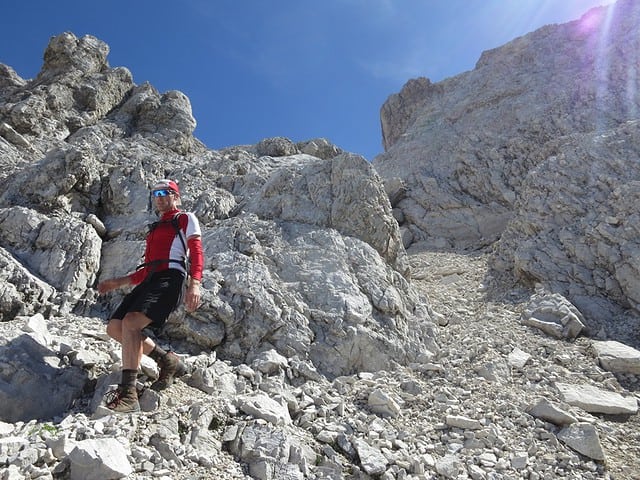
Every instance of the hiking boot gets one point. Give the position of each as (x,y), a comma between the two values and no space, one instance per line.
(170,367)
(122,400)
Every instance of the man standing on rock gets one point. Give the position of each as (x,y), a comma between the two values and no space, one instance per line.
(158,290)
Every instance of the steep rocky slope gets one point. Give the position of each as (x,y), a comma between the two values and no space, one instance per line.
(324,348)
(466,414)
(301,247)
(536,147)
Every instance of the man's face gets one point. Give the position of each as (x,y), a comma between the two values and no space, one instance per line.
(164,199)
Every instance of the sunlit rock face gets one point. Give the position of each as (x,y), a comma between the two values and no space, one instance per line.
(302,252)
(536,147)
(464,146)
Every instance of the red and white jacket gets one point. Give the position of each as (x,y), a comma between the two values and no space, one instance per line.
(163,244)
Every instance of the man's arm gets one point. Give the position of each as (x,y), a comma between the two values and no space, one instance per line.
(113,283)
(196,261)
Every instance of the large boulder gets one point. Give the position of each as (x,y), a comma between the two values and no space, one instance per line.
(309,292)
(63,251)
(344,193)
(35,383)
(22,292)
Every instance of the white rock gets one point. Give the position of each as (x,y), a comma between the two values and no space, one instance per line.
(464,423)
(617,357)
(97,459)
(5,428)
(372,460)
(596,400)
(548,411)
(383,404)
(448,466)
(270,362)
(261,406)
(583,438)
(517,358)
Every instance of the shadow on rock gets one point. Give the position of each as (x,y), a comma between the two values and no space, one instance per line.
(34,382)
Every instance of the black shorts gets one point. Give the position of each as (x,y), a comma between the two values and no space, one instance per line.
(156,297)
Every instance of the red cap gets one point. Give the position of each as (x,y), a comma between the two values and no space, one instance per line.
(170,184)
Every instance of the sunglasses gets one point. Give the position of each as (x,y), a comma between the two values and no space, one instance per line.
(162,193)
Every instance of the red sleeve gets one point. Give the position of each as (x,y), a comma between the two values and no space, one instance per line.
(195,257)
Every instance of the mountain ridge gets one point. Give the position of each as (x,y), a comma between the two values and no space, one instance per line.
(335,338)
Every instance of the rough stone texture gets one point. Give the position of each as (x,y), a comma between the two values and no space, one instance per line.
(546,410)
(35,384)
(276,147)
(583,438)
(617,357)
(22,292)
(99,459)
(333,194)
(554,315)
(397,113)
(471,140)
(451,419)
(319,147)
(538,147)
(314,354)
(303,253)
(581,246)
(64,252)
(593,399)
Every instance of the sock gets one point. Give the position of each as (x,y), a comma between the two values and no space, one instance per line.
(129,378)
(157,353)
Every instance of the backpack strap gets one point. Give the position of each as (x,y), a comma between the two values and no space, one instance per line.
(175,222)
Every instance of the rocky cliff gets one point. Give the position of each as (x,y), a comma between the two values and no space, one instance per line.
(316,352)
(299,246)
(535,147)
(303,255)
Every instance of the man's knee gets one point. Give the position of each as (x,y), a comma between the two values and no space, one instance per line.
(114,328)
(135,321)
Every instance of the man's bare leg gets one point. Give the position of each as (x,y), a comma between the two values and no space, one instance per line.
(132,339)
(169,363)
(114,330)
(125,399)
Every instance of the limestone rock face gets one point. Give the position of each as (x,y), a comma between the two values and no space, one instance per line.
(67,55)
(536,148)
(312,292)
(314,353)
(23,293)
(398,111)
(303,254)
(319,147)
(464,146)
(333,194)
(576,227)
(35,383)
(276,147)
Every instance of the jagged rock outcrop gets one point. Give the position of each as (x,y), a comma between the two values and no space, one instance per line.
(576,229)
(22,293)
(397,113)
(314,354)
(470,144)
(302,253)
(553,110)
(320,147)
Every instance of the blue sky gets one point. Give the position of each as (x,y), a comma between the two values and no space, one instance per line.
(294,68)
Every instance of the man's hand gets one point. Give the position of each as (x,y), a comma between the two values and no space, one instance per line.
(192,296)
(112,284)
